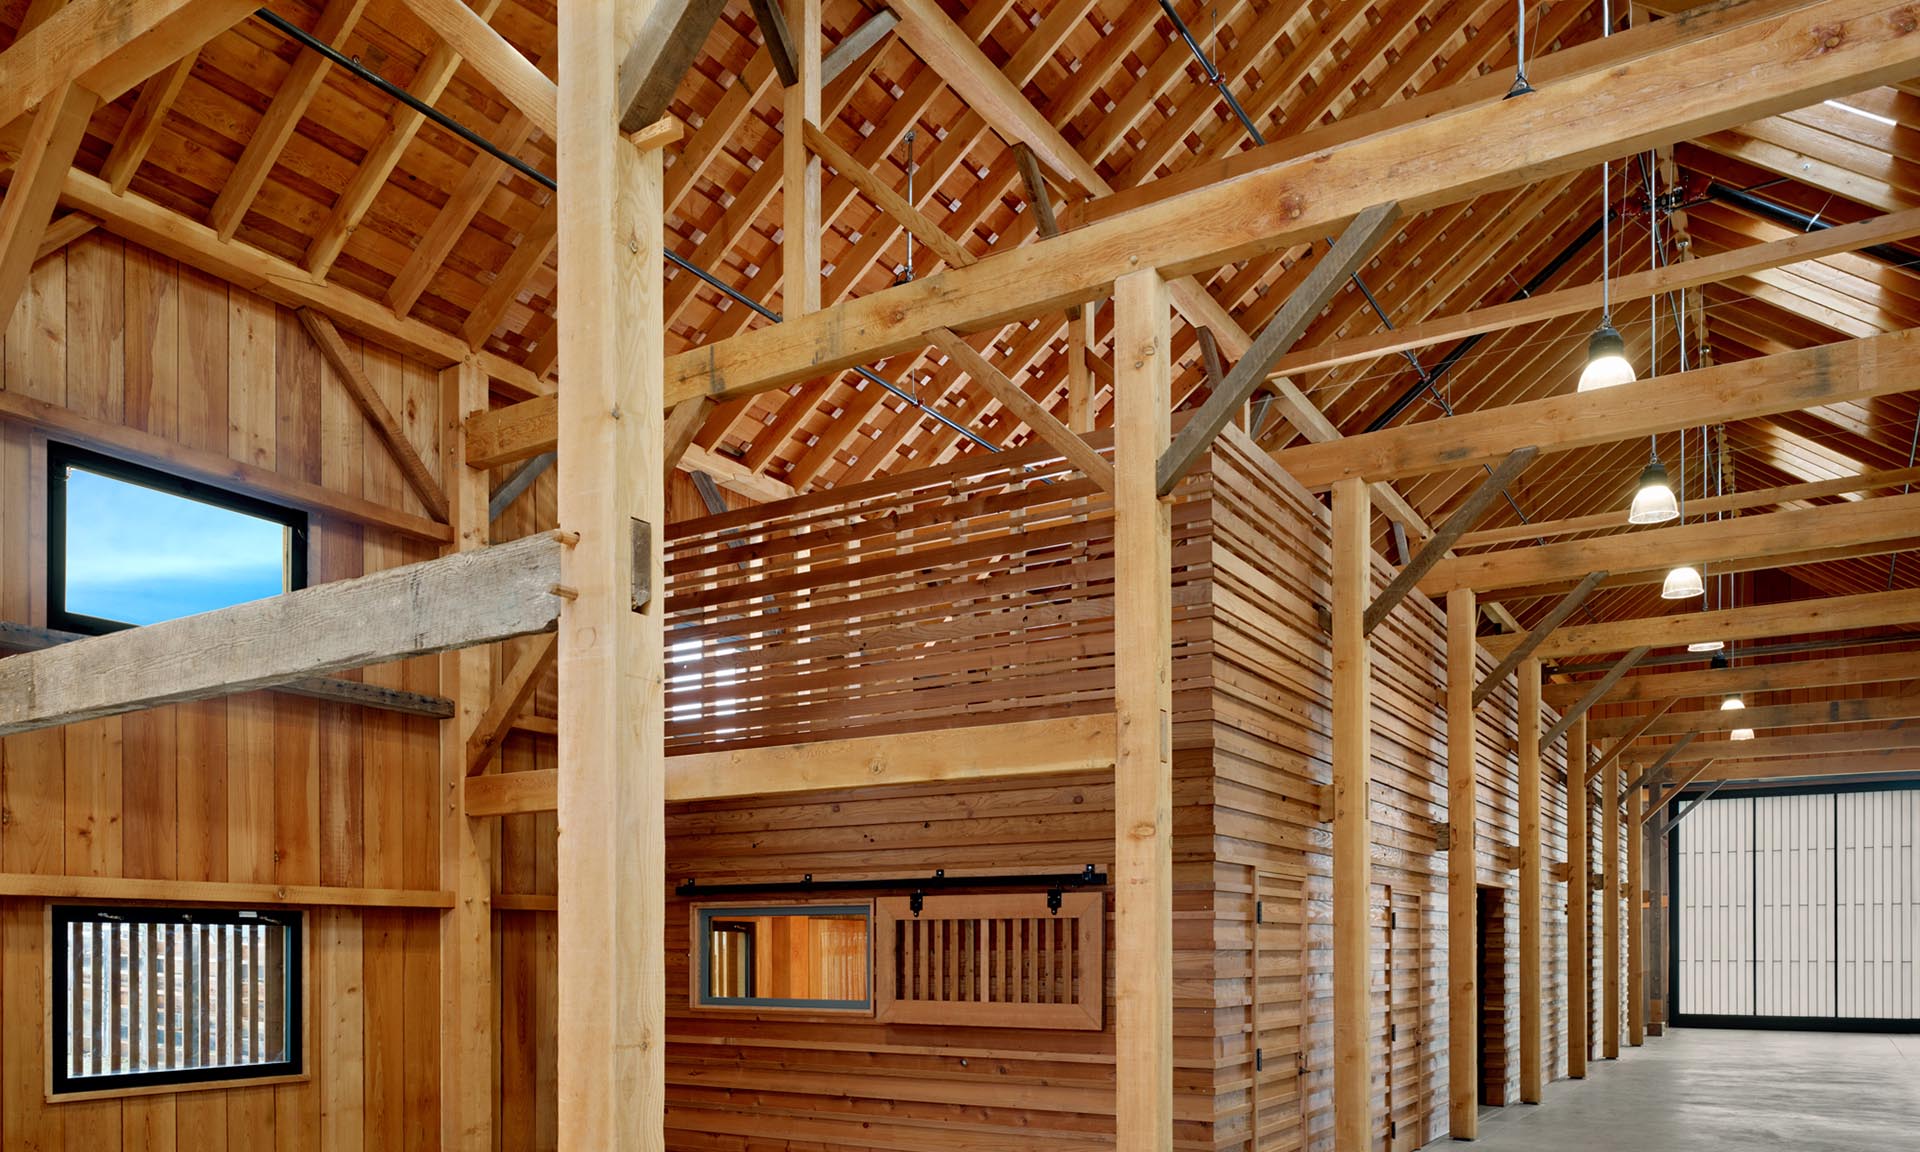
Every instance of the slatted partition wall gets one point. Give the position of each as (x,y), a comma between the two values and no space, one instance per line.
(261,788)
(994,576)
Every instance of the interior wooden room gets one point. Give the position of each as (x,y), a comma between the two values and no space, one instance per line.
(959,575)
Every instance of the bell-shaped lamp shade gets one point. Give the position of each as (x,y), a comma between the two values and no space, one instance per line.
(1706,645)
(1740,734)
(1653,501)
(1732,704)
(1683,583)
(1607,363)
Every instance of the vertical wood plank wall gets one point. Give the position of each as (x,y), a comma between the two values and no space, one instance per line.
(260,787)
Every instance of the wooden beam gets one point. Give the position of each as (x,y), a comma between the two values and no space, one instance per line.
(366,397)
(1833,614)
(1719,266)
(52,141)
(1877,668)
(1866,526)
(467,1003)
(1038,198)
(23,638)
(855,44)
(885,198)
(1331,273)
(675,32)
(772,20)
(1620,668)
(1463,894)
(1618,746)
(1733,502)
(1537,635)
(1679,786)
(108,45)
(505,67)
(1636,923)
(1652,771)
(1901,763)
(1532,911)
(1143,716)
(63,231)
(1434,551)
(535,245)
(1075,744)
(416,610)
(800,174)
(517,483)
(611,759)
(143,124)
(1352,821)
(1857,710)
(1025,408)
(283,115)
(682,425)
(1895,736)
(1579,914)
(38,886)
(510,698)
(1610,957)
(148,224)
(215,468)
(1723,73)
(1786,382)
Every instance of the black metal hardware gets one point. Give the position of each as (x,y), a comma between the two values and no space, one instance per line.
(1087,877)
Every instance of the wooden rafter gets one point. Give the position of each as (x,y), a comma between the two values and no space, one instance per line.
(27,210)
(505,67)
(1666,757)
(1583,705)
(1536,636)
(885,198)
(1620,745)
(1025,408)
(772,19)
(367,398)
(143,124)
(1435,550)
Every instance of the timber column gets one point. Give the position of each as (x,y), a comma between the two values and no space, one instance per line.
(612,871)
(1143,705)
(1579,913)
(1463,904)
(1352,824)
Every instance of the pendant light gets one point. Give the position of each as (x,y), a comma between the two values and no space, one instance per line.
(1706,645)
(1740,734)
(1683,581)
(1653,501)
(1607,363)
(1734,703)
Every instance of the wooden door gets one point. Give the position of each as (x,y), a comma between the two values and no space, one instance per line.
(1277,1010)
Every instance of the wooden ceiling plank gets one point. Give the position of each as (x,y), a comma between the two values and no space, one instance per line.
(283,115)
(143,124)
(505,67)
(1833,373)
(463,203)
(403,124)
(535,245)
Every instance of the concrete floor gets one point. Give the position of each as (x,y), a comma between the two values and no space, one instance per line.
(1705,1090)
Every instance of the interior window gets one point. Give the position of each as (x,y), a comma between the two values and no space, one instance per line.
(129,545)
(808,957)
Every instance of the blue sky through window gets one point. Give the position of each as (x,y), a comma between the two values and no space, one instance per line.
(139,556)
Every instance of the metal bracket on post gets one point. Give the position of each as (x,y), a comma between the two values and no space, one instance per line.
(642,575)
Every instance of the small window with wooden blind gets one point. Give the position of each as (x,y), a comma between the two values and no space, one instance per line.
(991,961)
(783,957)
(161,999)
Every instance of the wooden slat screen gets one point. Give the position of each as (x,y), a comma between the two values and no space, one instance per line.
(1001,961)
(978,592)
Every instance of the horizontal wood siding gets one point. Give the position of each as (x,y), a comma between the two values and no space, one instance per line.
(262,788)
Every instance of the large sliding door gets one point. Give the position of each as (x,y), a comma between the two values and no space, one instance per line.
(1798,908)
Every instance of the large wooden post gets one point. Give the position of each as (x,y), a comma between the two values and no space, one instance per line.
(612,872)
(1579,913)
(1610,916)
(1532,1019)
(1352,826)
(1143,704)
(1463,930)
(800,214)
(466,845)
(1636,924)
(1657,942)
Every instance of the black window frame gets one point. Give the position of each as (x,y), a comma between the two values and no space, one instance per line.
(62,456)
(62,916)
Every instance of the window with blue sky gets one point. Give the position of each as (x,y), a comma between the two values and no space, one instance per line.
(138,547)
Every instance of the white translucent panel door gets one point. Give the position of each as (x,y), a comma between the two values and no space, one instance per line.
(1715,888)
(1879,885)
(1794,913)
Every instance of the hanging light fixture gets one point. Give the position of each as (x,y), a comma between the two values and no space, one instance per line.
(1607,363)
(1706,645)
(1653,501)
(1732,703)
(1682,583)
(1740,734)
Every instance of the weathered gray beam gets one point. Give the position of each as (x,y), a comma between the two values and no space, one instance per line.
(1346,256)
(667,45)
(857,43)
(24,638)
(515,485)
(1621,668)
(1683,813)
(772,18)
(457,601)
(1537,636)
(1441,542)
